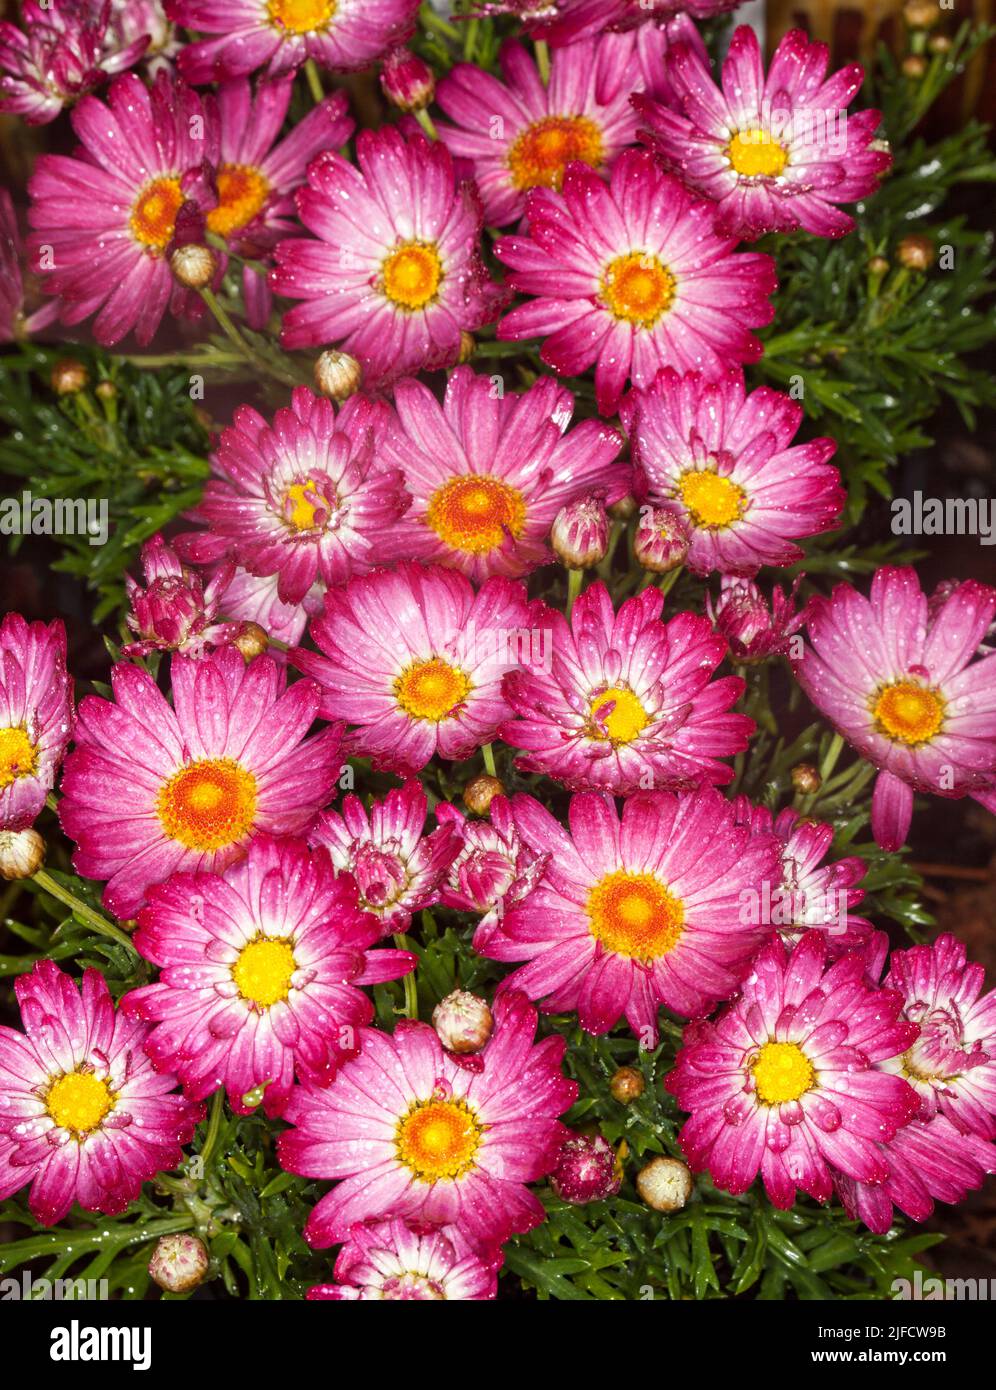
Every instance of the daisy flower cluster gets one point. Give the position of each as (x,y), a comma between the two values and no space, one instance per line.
(425,752)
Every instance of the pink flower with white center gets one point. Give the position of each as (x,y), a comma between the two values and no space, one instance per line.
(105,218)
(662,539)
(725,460)
(627,702)
(631,276)
(152,789)
(36,716)
(808,894)
(390,1260)
(899,683)
(494,869)
(67,48)
(543,126)
(397,868)
(413,660)
(86,1117)
(257,172)
(775,153)
(131,19)
(304,498)
(255,600)
(280,35)
(261,974)
(636,913)
(488,473)
(572,20)
(392,272)
(410,1132)
(176,611)
(785,1082)
(952,1064)
(754,630)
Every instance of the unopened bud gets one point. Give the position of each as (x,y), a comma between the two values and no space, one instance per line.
(939,43)
(664,1184)
(337,375)
(585,1170)
(623,509)
(805,778)
(179,1262)
(921,14)
(68,376)
(22,853)
(193,266)
(627,1085)
(406,81)
(106,390)
(468,346)
(462,1021)
(580,532)
(915,252)
(662,540)
(914,66)
(251,640)
(479,793)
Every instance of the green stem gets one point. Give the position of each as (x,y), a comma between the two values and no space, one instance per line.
(227,325)
(86,914)
(575,578)
(411,988)
(667,581)
(431,20)
(314,81)
(214,1126)
(427,124)
(489,760)
(470,39)
(826,768)
(543,60)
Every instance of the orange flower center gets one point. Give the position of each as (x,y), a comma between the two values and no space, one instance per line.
(153,217)
(242,191)
(438,1139)
(638,288)
(209,804)
(542,152)
(754,153)
(263,971)
(782,1072)
(626,719)
(908,713)
(474,514)
(431,689)
(712,502)
(634,915)
(412,275)
(301,16)
(79,1101)
(18,756)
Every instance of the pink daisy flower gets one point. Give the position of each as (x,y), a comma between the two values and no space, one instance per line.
(105,218)
(152,789)
(632,276)
(567,21)
(494,869)
(808,894)
(303,499)
(339,35)
(754,630)
(395,275)
(86,1117)
(176,611)
(896,678)
(488,473)
(520,133)
(257,173)
(133,18)
(397,868)
(413,659)
(725,461)
(774,153)
(36,716)
(627,702)
(66,48)
(785,1083)
(410,1132)
(261,973)
(636,913)
(389,1260)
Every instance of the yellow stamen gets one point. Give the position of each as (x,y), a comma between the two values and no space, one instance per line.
(713,502)
(635,915)
(782,1072)
(754,153)
(263,971)
(412,275)
(908,713)
(242,191)
(431,689)
(209,804)
(624,722)
(542,152)
(474,514)
(18,756)
(638,288)
(79,1101)
(153,218)
(301,16)
(302,503)
(438,1139)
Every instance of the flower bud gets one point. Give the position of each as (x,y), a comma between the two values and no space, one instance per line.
(662,539)
(806,778)
(915,252)
(468,346)
(623,509)
(68,376)
(179,1262)
(664,1184)
(479,793)
(193,266)
(251,640)
(580,533)
(627,1085)
(939,43)
(462,1021)
(337,375)
(22,853)
(921,14)
(106,390)
(585,1170)
(914,66)
(406,81)
(878,265)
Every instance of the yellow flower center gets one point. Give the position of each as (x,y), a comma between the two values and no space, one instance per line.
(302,503)
(438,1139)
(18,756)
(79,1101)
(301,16)
(909,713)
(263,971)
(208,805)
(712,502)
(431,689)
(412,275)
(754,153)
(638,288)
(782,1072)
(242,191)
(624,722)
(153,217)
(475,514)
(634,915)
(542,152)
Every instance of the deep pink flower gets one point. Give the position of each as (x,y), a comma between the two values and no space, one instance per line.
(567,21)
(754,630)
(86,1117)
(631,276)
(255,600)
(36,716)
(775,153)
(494,868)
(898,681)
(390,1260)
(409,1132)
(586,1170)
(176,611)
(261,969)
(627,702)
